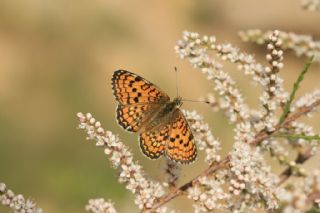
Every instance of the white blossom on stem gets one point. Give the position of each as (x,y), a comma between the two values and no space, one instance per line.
(99,205)
(208,195)
(302,195)
(273,94)
(17,203)
(146,192)
(203,137)
(306,100)
(252,176)
(302,45)
(195,49)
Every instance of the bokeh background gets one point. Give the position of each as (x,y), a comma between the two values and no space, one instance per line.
(57,58)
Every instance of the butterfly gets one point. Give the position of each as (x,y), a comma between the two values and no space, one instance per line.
(147,110)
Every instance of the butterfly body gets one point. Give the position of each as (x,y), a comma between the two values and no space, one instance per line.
(164,115)
(145,109)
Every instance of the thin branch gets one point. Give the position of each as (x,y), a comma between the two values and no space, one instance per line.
(312,197)
(293,137)
(301,111)
(225,162)
(222,164)
(296,85)
(301,158)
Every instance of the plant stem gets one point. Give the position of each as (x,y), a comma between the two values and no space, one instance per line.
(292,137)
(296,85)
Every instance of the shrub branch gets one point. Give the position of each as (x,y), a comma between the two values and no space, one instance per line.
(224,162)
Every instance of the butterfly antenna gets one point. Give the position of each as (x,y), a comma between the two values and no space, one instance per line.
(206,102)
(176,71)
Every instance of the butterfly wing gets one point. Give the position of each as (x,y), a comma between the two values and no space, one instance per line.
(173,138)
(133,117)
(152,143)
(180,144)
(129,88)
(138,99)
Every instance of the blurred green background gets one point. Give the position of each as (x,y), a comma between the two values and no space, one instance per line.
(57,58)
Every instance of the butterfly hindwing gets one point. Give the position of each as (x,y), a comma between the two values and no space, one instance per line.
(180,145)
(133,117)
(152,143)
(130,88)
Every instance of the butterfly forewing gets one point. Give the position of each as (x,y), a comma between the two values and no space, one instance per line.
(130,88)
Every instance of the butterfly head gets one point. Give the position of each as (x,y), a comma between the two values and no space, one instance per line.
(177,101)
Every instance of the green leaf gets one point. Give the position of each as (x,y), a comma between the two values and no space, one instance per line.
(293,137)
(296,85)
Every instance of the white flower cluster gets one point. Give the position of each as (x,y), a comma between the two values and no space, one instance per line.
(273,94)
(17,202)
(312,5)
(99,205)
(257,120)
(302,195)
(203,136)
(197,52)
(276,150)
(306,100)
(251,175)
(194,48)
(211,100)
(302,45)
(245,62)
(146,191)
(299,128)
(250,181)
(244,132)
(208,195)
(303,129)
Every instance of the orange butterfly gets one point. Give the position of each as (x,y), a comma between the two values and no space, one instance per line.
(144,108)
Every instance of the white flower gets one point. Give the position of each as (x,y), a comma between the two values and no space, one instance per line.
(251,173)
(306,100)
(203,136)
(146,191)
(17,202)
(300,44)
(197,54)
(99,205)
